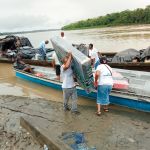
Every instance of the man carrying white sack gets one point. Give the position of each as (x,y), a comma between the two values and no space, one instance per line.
(68,85)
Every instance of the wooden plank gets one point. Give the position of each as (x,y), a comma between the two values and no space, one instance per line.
(43,136)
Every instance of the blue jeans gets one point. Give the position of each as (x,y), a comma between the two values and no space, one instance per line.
(42,54)
(97,64)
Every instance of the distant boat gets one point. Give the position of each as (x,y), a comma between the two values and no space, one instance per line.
(122,98)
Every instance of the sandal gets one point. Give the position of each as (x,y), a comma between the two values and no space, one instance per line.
(98,113)
(106,110)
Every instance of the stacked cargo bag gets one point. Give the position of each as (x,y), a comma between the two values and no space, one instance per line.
(81,63)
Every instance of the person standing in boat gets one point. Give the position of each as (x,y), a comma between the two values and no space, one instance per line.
(104,84)
(68,85)
(42,49)
(62,34)
(93,54)
(56,65)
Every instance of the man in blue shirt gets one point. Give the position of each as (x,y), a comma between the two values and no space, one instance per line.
(42,49)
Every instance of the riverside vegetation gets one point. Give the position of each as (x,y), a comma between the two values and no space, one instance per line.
(127,17)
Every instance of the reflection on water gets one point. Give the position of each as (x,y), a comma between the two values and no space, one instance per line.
(108,39)
(10,85)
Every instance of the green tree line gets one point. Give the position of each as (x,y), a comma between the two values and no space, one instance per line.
(127,17)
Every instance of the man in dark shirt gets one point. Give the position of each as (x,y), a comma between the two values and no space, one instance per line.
(19,64)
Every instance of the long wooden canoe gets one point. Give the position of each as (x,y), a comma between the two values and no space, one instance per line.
(129,66)
(29,61)
(117,97)
(141,66)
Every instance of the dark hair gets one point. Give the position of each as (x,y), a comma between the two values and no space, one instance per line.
(46,42)
(103,60)
(136,58)
(91,45)
(62,33)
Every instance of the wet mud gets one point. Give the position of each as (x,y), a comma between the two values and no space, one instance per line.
(121,128)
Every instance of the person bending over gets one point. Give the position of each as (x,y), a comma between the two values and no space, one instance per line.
(42,49)
(19,64)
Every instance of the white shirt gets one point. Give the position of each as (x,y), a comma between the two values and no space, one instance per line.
(67,78)
(95,49)
(63,37)
(55,59)
(94,55)
(105,75)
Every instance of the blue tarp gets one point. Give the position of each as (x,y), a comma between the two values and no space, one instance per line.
(76,141)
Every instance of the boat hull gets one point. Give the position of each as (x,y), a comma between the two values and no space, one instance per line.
(129,66)
(132,102)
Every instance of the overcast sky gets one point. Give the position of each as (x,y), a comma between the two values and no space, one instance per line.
(17,15)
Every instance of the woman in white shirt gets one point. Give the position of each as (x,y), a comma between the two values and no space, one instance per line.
(104,84)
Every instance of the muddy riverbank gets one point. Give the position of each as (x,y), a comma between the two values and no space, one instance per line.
(12,135)
(118,129)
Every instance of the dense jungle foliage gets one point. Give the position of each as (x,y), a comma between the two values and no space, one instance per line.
(127,17)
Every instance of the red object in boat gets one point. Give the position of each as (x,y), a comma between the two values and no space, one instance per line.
(39,74)
(120,83)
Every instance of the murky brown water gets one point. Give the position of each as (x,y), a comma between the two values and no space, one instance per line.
(11,85)
(104,39)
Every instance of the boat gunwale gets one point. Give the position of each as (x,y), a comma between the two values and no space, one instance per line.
(117,93)
(131,102)
(140,66)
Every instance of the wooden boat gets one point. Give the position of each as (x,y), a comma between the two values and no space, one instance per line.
(5,60)
(129,66)
(122,98)
(28,61)
(141,66)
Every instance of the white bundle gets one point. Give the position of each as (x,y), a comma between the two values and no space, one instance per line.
(81,63)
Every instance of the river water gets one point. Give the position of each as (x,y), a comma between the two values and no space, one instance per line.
(105,39)
(11,85)
(110,39)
